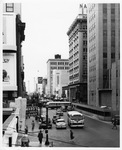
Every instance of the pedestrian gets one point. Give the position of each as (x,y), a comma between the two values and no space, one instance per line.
(71,135)
(40,136)
(26,129)
(25,141)
(114,124)
(33,125)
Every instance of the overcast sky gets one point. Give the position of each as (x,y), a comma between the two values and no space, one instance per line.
(47,23)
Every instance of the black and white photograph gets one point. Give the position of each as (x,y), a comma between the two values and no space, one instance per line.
(60,74)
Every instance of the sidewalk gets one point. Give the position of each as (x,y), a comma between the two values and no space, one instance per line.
(32,135)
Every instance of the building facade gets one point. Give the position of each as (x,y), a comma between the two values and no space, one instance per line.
(77,34)
(57,64)
(13,35)
(44,86)
(103,23)
(60,79)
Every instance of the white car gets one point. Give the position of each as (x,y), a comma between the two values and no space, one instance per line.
(61,124)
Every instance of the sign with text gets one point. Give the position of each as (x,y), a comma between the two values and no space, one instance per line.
(40,80)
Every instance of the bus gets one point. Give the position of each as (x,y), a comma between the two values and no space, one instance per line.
(75,119)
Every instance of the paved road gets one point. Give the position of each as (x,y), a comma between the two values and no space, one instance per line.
(94,134)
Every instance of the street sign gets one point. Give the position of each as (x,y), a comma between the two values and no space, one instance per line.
(49,104)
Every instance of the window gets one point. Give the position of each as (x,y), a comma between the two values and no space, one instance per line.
(112,8)
(113,55)
(66,63)
(104,55)
(60,63)
(9,7)
(53,63)
(104,32)
(104,8)
(57,80)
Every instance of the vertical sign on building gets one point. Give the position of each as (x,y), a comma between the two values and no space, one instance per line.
(40,80)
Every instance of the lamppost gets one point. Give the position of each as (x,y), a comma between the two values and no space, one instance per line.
(46,131)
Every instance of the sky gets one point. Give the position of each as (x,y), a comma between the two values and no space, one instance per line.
(47,23)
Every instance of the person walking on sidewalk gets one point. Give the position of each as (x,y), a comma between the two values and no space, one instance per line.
(33,125)
(40,136)
(26,129)
(71,135)
(114,124)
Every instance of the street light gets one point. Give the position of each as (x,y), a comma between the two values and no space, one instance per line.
(46,131)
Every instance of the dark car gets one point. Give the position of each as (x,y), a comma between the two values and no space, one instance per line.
(59,112)
(43,124)
(55,117)
(116,117)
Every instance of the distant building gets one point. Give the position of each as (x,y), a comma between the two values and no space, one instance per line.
(78,57)
(58,64)
(104,55)
(60,79)
(44,86)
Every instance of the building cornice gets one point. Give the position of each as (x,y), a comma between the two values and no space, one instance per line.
(79,19)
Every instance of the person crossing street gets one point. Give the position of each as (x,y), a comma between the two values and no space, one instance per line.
(33,125)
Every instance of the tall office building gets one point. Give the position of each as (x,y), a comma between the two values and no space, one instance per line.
(78,57)
(58,64)
(103,23)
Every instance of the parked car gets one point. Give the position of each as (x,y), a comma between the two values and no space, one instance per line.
(63,108)
(117,117)
(60,123)
(70,108)
(54,119)
(43,124)
(59,112)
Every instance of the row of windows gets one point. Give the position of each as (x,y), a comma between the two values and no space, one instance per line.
(59,63)
(76,61)
(91,18)
(84,49)
(52,68)
(92,58)
(92,27)
(75,53)
(91,7)
(76,39)
(84,57)
(84,42)
(92,79)
(92,48)
(92,37)
(84,35)
(73,34)
(92,68)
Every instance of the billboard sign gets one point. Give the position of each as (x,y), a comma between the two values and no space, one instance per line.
(9,31)
(40,80)
(9,72)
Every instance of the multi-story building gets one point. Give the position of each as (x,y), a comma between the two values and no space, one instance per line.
(60,79)
(78,57)
(57,64)
(13,35)
(44,86)
(103,23)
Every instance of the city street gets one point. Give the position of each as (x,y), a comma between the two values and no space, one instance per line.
(94,134)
